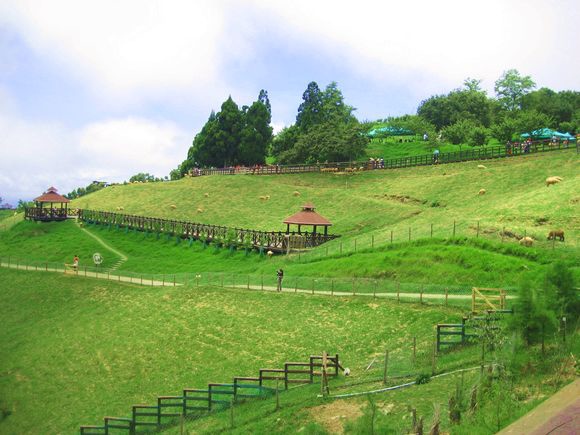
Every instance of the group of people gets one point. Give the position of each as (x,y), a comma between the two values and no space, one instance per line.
(525,147)
(376,163)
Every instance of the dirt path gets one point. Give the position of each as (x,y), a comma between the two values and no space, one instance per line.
(122,257)
(92,274)
(558,415)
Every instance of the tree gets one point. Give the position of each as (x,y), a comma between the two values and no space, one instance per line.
(472,85)
(560,282)
(478,136)
(309,111)
(143,177)
(505,129)
(511,87)
(459,132)
(325,129)
(530,120)
(228,135)
(532,318)
(458,105)
(256,134)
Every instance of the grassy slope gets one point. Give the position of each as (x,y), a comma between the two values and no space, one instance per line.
(95,348)
(516,197)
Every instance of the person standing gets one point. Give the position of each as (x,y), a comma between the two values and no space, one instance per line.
(280,275)
(76,263)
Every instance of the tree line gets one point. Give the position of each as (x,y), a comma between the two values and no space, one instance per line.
(467,115)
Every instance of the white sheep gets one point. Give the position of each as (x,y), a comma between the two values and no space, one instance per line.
(481,167)
(526,241)
(553,180)
(482,191)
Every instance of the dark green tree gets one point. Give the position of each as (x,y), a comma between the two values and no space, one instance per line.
(532,317)
(560,283)
(310,110)
(459,105)
(228,135)
(256,134)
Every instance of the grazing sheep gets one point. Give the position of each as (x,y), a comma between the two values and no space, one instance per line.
(526,241)
(552,180)
(206,195)
(556,233)
(296,193)
(346,371)
(482,191)
(120,208)
(267,197)
(269,253)
(172,206)
(481,167)
(263,198)
(200,210)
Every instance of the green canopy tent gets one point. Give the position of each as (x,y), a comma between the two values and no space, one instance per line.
(547,133)
(389,131)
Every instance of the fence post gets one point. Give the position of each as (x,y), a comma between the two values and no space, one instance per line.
(453,228)
(391,236)
(262,281)
(409,234)
(332,287)
(431,230)
(421,295)
(373,241)
(174,280)
(398,290)
(477,229)
(414,349)
(434,358)
(354,245)
(446,295)
(386,365)
(248,282)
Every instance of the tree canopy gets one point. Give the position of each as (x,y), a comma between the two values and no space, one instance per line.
(233,136)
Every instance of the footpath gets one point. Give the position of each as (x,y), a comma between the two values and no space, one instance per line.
(558,415)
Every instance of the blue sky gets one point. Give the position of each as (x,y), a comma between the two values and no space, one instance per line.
(105,89)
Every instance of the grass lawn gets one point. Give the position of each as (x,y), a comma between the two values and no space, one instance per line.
(94,348)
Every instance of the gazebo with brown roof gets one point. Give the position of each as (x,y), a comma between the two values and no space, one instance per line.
(307,217)
(50,213)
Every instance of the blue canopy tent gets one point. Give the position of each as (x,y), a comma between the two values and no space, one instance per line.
(547,133)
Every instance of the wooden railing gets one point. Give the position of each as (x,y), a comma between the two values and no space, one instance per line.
(197,402)
(470,154)
(278,241)
(45,214)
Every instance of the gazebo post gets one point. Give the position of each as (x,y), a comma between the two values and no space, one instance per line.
(299,226)
(314,229)
(325,230)
(287,228)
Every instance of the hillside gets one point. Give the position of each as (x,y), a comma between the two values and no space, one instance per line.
(373,202)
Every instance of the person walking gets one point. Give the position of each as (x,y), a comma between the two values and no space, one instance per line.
(280,275)
(76,263)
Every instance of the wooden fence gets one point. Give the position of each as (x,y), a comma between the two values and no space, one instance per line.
(470,154)
(193,402)
(271,240)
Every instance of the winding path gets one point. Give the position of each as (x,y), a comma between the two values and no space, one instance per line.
(122,257)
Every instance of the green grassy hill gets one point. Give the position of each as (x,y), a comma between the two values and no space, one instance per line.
(367,209)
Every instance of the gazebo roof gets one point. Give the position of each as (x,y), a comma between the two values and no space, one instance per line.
(51,195)
(307,217)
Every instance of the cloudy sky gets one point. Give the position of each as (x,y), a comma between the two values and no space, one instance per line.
(101,90)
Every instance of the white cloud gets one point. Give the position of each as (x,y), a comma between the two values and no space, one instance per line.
(126,49)
(432,46)
(36,155)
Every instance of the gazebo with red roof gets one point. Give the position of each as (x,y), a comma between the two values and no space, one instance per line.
(307,217)
(49,213)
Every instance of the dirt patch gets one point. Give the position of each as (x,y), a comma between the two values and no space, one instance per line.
(333,416)
(404,199)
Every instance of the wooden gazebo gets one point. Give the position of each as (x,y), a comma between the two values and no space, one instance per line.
(46,207)
(307,217)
